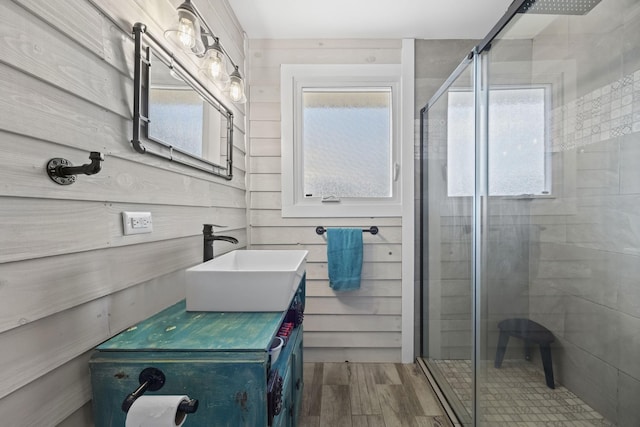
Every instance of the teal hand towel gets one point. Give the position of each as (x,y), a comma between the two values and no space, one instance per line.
(344,254)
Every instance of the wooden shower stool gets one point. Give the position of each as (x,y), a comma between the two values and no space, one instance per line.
(532,333)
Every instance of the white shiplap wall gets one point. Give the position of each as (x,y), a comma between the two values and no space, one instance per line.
(69,279)
(363,325)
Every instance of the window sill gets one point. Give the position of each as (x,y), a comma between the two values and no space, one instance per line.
(527,197)
(341,210)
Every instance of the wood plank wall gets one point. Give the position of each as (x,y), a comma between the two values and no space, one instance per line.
(69,279)
(363,325)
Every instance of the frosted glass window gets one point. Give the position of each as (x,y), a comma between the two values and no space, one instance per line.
(518,160)
(346,143)
(341,140)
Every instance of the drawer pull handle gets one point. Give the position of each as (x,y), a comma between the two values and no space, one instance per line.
(274,395)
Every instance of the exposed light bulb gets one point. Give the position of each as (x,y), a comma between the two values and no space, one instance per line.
(186,32)
(235,90)
(215,64)
(236,87)
(215,68)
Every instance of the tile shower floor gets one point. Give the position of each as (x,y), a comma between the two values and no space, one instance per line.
(516,395)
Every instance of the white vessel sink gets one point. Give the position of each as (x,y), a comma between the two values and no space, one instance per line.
(246,280)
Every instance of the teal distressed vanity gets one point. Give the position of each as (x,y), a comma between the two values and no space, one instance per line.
(219,358)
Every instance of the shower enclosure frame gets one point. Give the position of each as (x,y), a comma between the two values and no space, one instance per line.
(478,62)
(553,131)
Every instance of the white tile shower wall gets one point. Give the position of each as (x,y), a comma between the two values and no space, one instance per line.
(584,283)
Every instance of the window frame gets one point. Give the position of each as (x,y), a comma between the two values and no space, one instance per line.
(547,143)
(297,77)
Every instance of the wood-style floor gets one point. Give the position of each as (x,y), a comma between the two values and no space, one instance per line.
(368,395)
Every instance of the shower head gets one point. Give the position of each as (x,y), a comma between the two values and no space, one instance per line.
(558,7)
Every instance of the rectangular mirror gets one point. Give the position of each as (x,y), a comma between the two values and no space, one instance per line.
(179,117)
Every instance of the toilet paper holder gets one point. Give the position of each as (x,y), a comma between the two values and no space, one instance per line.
(153,379)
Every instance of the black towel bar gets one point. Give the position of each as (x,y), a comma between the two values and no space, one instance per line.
(373,230)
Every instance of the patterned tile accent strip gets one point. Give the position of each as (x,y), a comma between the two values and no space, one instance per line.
(607,112)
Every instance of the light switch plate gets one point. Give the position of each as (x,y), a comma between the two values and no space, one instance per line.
(137,222)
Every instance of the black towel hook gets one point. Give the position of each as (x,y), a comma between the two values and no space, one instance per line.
(62,171)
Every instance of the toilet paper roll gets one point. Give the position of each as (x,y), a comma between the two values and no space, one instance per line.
(156,411)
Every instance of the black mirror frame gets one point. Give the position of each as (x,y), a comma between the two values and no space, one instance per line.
(140,107)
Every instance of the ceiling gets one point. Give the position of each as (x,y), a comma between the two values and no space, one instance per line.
(377,19)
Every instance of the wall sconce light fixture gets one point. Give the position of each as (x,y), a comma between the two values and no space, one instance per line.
(236,87)
(186,33)
(215,65)
(194,36)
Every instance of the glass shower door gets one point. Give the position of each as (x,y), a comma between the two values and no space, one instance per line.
(530,194)
(559,324)
(447,179)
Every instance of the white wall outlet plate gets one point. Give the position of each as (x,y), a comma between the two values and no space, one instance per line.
(137,222)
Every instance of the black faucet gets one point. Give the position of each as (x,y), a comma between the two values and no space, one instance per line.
(209,237)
